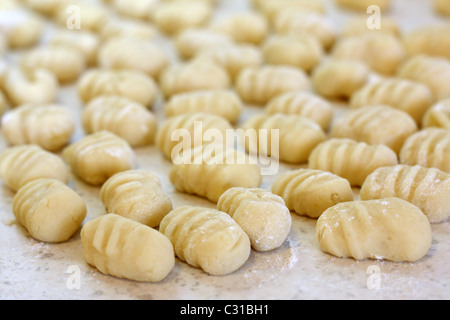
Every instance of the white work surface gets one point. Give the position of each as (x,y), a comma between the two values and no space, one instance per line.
(30,269)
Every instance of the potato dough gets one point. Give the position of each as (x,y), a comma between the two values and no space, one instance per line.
(427,188)
(438,116)
(261,214)
(310,192)
(137,195)
(86,42)
(126,249)
(207,238)
(351,160)
(191,42)
(433,40)
(363,4)
(388,229)
(97,157)
(22,164)
(49,210)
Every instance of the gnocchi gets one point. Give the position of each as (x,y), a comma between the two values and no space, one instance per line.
(350,159)
(431,40)
(127,249)
(136,195)
(364,4)
(22,164)
(207,238)
(86,42)
(389,229)
(98,156)
(438,116)
(310,192)
(49,210)
(137,9)
(262,215)
(22,28)
(359,24)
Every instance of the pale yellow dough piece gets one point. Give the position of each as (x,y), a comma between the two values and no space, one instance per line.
(258,85)
(22,164)
(432,40)
(362,5)
(209,171)
(132,84)
(362,24)
(304,104)
(136,9)
(49,210)
(22,28)
(191,42)
(137,195)
(128,29)
(127,249)
(224,103)
(428,148)
(86,42)
(442,6)
(49,126)
(438,116)
(124,117)
(412,97)
(81,15)
(339,78)
(261,214)
(350,159)
(310,192)
(298,136)
(272,8)
(98,156)
(206,238)
(376,124)
(389,229)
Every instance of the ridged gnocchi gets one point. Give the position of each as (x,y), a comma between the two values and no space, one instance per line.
(304,104)
(376,124)
(350,159)
(412,97)
(298,136)
(49,126)
(438,116)
(49,210)
(126,118)
(98,156)
(389,229)
(210,171)
(261,214)
(136,195)
(429,148)
(132,84)
(22,164)
(224,103)
(127,249)
(259,85)
(310,192)
(207,238)
(427,188)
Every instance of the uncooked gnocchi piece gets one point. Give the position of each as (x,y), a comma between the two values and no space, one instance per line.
(433,40)
(49,210)
(191,128)
(272,8)
(350,159)
(442,6)
(49,126)
(24,86)
(304,104)
(310,192)
(22,164)
(389,229)
(259,85)
(209,171)
(298,136)
(428,148)
(128,29)
(364,4)
(98,156)
(224,103)
(412,97)
(429,70)
(132,84)
(339,78)
(44,7)
(261,214)
(126,118)
(438,116)
(136,9)
(86,42)
(193,76)
(64,62)
(377,124)
(361,24)
(127,249)
(206,238)
(301,50)
(427,188)
(136,195)
(22,28)
(133,54)
(382,52)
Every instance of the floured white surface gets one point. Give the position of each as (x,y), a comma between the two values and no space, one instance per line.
(30,269)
